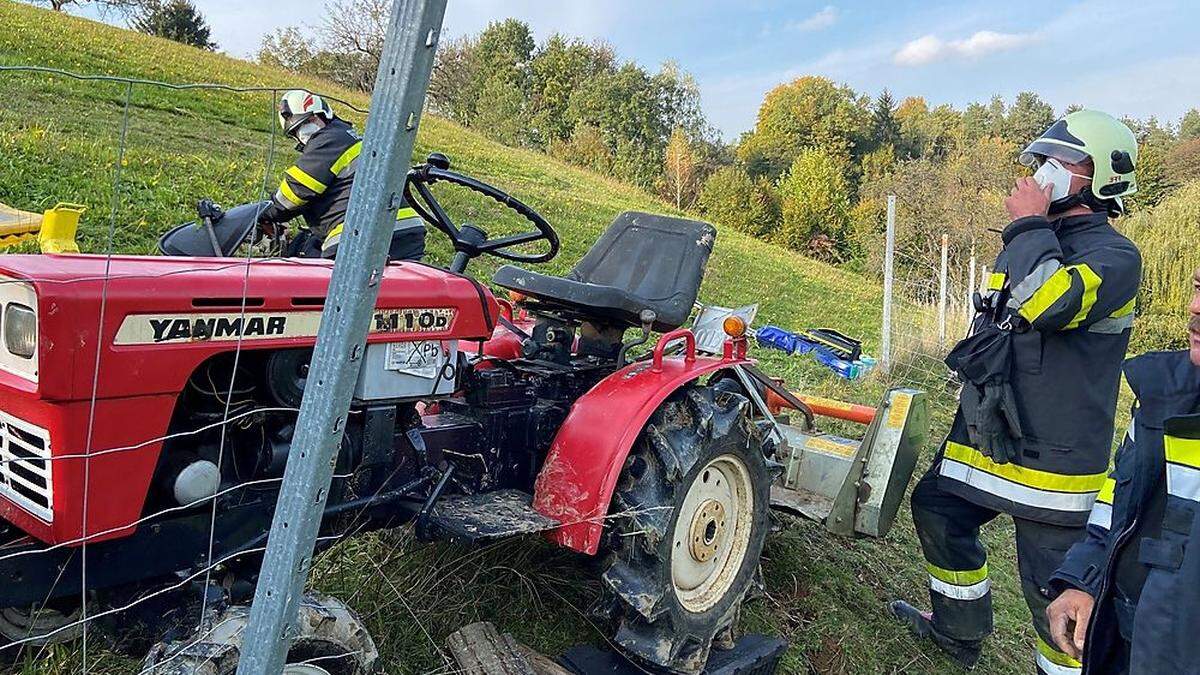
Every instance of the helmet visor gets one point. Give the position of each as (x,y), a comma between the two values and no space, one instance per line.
(1037,152)
(294,122)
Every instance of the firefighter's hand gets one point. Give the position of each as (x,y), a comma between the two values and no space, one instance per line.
(1028,199)
(269,229)
(1072,607)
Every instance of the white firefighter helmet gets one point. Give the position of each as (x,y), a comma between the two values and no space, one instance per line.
(298,106)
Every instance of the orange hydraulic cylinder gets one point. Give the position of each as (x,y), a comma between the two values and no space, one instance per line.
(826,407)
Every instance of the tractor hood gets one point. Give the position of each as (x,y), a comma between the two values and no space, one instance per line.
(157,318)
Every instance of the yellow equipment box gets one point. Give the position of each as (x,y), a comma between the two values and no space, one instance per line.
(55,229)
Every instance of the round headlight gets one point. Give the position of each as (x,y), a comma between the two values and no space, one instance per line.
(20,330)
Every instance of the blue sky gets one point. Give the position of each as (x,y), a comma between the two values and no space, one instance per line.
(1135,57)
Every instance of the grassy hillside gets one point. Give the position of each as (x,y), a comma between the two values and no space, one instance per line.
(59,140)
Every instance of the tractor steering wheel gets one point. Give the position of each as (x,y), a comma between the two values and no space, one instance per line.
(470,241)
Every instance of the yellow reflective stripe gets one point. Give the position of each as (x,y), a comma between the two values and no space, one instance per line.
(337,230)
(406,212)
(996,281)
(1126,310)
(1091,285)
(290,194)
(1023,475)
(957,577)
(348,156)
(1056,657)
(305,179)
(1055,287)
(1185,451)
(1107,491)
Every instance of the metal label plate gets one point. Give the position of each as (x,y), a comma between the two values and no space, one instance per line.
(423,359)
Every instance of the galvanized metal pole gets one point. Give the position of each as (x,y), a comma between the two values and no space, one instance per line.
(942,290)
(885,349)
(399,97)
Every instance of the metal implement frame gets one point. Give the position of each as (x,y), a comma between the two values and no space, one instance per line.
(390,136)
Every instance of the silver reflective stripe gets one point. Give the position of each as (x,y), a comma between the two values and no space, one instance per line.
(1074,502)
(972,592)
(1051,668)
(330,242)
(1101,515)
(284,201)
(417,223)
(1033,281)
(1112,325)
(1183,482)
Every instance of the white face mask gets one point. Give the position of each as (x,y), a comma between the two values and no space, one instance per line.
(306,132)
(1051,172)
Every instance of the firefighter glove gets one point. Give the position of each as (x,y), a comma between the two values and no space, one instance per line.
(998,426)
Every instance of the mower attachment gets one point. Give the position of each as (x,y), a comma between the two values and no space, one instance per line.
(854,487)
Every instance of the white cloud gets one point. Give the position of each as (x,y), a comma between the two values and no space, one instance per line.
(930,48)
(819,21)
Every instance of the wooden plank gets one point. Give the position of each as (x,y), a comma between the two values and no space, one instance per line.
(480,649)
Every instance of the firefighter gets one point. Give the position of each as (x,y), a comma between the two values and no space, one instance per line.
(1132,587)
(1034,440)
(318,185)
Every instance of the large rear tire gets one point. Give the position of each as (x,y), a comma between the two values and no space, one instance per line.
(332,640)
(689,519)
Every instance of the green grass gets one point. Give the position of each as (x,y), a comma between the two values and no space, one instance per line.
(59,142)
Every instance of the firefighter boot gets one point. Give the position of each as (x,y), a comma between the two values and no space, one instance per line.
(920,624)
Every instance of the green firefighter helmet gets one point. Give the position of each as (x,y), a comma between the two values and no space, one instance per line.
(1091,134)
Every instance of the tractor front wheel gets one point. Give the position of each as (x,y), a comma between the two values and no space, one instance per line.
(689,519)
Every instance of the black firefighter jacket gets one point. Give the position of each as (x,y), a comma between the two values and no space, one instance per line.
(1146,517)
(318,185)
(1068,288)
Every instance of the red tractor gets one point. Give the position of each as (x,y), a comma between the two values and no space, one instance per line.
(147,405)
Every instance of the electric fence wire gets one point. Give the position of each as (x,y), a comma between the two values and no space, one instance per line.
(87,462)
(237,355)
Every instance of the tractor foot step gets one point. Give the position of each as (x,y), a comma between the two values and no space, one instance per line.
(752,655)
(485,516)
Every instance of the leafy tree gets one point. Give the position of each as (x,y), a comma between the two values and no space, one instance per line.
(730,197)
(1154,181)
(885,130)
(814,206)
(357,28)
(679,170)
(290,49)
(1189,126)
(454,69)
(177,20)
(586,148)
(1028,117)
(504,115)
(983,121)
(925,132)
(1182,162)
(559,67)
(809,112)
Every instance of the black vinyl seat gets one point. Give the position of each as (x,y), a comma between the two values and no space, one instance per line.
(642,261)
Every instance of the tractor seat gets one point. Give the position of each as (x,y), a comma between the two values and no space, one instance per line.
(642,261)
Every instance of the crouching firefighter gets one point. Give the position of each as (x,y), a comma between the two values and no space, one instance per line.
(318,185)
(1130,591)
(1033,431)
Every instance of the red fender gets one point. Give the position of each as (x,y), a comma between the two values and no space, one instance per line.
(577,481)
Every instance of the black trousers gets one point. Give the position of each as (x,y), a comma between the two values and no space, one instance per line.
(959,586)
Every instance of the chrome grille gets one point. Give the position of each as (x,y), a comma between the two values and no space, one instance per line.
(25,474)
